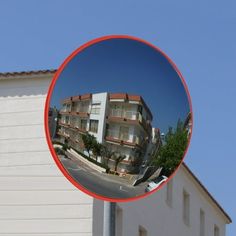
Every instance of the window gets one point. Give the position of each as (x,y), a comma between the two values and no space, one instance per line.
(95,109)
(124,133)
(186,208)
(202,223)
(83,124)
(84,107)
(76,122)
(93,126)
(119,221)
(142,231)
(216,230)
(68,107)
(67,120)
(169,192)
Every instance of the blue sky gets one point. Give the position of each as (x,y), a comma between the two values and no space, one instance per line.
(126,66)
(199,36)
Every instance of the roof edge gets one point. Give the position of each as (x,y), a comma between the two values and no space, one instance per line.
(13,75)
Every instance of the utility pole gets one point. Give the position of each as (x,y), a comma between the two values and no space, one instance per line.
(109,219)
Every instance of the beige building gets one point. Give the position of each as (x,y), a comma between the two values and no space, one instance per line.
(37,200)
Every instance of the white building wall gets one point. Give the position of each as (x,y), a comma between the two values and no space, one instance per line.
(154,214)
(159,219)
(102,98)
(35,198)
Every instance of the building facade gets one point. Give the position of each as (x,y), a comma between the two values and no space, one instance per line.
(121,122)
(36,199)
(182,207)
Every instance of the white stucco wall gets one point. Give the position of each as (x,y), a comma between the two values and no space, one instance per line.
(102,98)
(35,198)
(159,219)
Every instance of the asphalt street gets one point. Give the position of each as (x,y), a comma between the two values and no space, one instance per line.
(101,183)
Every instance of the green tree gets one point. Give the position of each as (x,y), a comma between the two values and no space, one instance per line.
(89,142)
(172,152)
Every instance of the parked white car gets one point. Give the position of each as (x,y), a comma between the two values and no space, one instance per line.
(155,183)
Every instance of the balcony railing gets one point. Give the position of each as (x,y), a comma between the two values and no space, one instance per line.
(63,133)
(62,122)
(80,109)
(66,108)
(132,115)
(115,134)
(81,128)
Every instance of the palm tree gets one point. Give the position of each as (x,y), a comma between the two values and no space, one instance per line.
(97,149)
(89,141)
(118,159)
(106,154)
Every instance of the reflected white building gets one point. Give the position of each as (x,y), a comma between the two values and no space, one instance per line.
(121,122)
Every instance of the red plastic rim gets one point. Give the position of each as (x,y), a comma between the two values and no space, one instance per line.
(47,105)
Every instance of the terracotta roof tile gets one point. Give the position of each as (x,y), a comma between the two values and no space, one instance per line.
(32,72)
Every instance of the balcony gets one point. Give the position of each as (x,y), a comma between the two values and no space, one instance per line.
(133,117)
(121,113)
(76,124)
(66,108)
(64,112)
(120,137)
(81,129)
(82,109)
(63,123)
(64,134)
(81,112)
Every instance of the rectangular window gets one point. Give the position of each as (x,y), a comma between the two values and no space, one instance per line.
(202,223)
(142,231)
(186,208)
(93,126)
(124,133)
(95,109)
(76,122)
(83,124)
(68,107)
(84,107)
(63,108)
(67,120)
(169,192)
(216,230)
